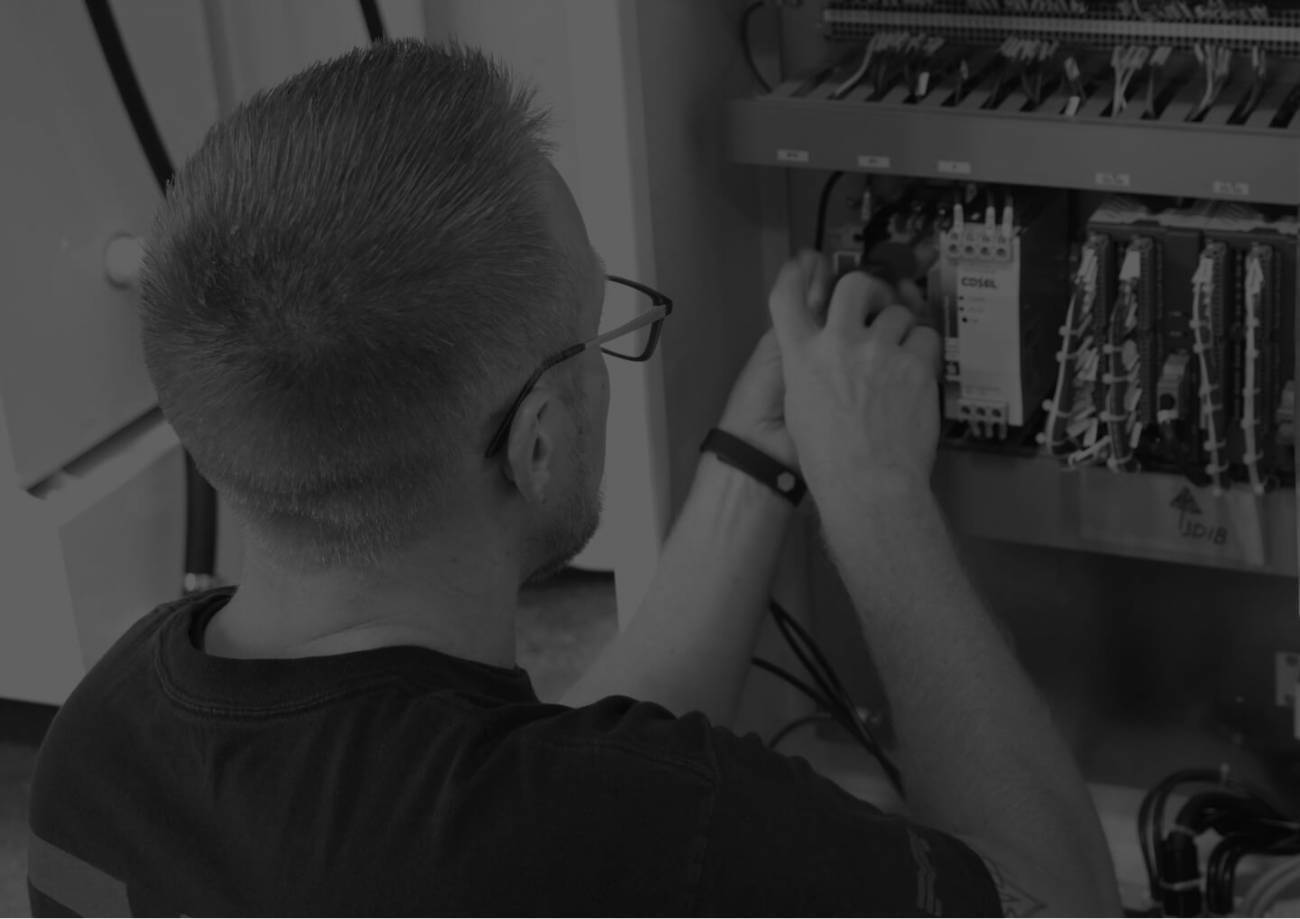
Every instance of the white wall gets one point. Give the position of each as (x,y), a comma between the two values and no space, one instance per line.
(91,510)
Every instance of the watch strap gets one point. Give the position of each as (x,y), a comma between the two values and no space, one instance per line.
(735,452)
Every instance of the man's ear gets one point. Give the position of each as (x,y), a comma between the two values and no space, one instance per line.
(531,445)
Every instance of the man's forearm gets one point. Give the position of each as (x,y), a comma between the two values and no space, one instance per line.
(688,647)
(979,753)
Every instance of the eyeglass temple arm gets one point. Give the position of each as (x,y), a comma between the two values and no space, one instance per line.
(659,312)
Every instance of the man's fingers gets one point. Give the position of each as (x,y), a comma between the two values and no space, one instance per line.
(788,301)
(819,288)
(910,296)
(926,344)
(893,324)
(856,299)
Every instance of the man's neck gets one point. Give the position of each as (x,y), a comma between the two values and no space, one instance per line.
(458,602)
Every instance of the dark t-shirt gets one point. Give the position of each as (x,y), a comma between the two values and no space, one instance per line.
(401,780)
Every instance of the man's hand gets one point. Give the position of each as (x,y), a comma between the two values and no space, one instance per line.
(861,389)
(755,410)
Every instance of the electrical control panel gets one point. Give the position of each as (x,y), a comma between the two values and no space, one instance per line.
(1104,198)
(1101,198)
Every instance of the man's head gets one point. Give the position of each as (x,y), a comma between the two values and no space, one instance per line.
(346,286)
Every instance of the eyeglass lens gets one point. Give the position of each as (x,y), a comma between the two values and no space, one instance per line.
(622,305)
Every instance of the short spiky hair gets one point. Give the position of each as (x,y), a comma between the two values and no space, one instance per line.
(337,283)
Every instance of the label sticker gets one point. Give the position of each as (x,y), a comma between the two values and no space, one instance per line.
(1235,189)
(988,330)
(874,162)
(1166,514)
(792,156)
(954,167)
(1113,180)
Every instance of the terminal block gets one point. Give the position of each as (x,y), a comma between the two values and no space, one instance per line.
(985,420)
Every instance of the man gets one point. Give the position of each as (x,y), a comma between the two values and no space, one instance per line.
(362,308)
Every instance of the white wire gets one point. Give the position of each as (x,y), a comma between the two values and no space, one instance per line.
(1202,331)
(1085,285)
(860,72)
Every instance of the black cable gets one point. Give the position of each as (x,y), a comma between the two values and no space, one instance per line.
(781,673)
(748,49)
(1231,808)
(847,720)
(797,637)
(844,710)
(1221,874)
(823,205)
(832,695)
(374,22)
(815,668)
(832,706)
(128,88)
(814,718)
(1151,821)
(200,499)
(789,623)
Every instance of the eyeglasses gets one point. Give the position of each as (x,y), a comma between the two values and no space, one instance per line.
(631,340)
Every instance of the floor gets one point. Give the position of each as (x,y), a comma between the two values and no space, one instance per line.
(561,628)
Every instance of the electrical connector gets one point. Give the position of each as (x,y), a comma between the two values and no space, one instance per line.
(986,420)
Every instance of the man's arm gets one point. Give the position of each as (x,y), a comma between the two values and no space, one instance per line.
(980,757)
(688,648)
(689,645)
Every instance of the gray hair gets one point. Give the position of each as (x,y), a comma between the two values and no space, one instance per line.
(338,283)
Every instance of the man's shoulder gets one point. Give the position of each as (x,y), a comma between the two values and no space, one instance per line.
(620,730)
(134,644)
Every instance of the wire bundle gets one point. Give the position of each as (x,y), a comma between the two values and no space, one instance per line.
(1258,83)
(918,64)
(1071,413)
(1074,83)
(868,56)
(1248,824)
(1216,65)
(1206,285)
(1024,59)
(829,694)
(1251,383)
(1123,386)
(1155,66)
(1127,61)
(883,60)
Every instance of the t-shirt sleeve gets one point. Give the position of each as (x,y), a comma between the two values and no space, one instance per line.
(783,839)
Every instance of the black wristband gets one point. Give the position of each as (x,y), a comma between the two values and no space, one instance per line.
(754,462)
